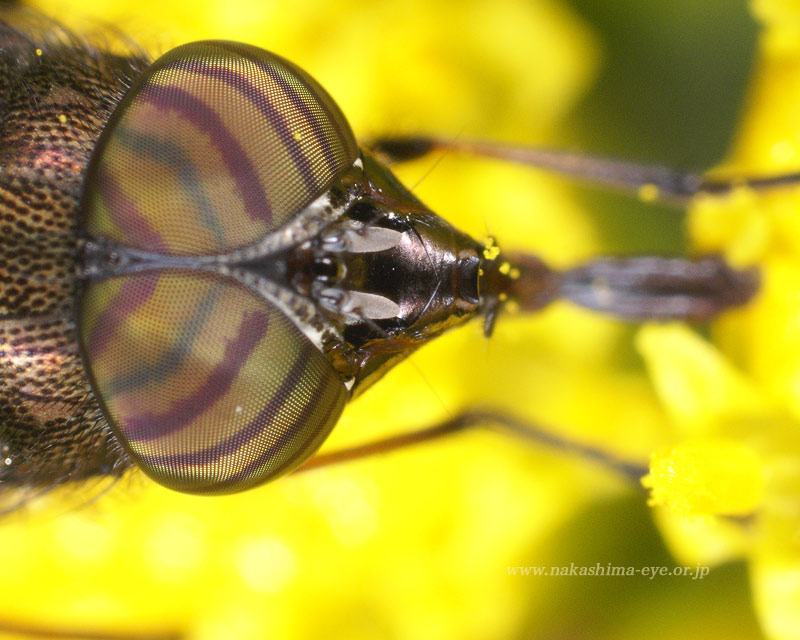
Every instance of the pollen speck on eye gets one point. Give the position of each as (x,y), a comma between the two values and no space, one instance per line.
(62,118)
(39,52)
(298,136)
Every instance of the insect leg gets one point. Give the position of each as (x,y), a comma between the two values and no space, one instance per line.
(496,420)
(650,182)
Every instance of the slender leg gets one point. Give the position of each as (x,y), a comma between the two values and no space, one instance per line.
(651,182)
(497,420)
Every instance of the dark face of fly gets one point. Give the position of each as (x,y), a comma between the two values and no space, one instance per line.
(247,269)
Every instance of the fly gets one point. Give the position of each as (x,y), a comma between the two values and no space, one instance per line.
(202,267)
(216,354)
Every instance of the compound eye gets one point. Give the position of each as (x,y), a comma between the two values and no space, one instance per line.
(216,145)
(210,388)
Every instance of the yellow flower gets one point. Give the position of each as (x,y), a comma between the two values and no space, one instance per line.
(707,477)
(742,395)
(418,544)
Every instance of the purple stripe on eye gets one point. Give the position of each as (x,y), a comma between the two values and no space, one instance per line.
(298,103)
(125,214)
(260,101)
(171,358)
(245,435)
(151,426)
(240,168)
(132,294)
(339,125)
(300,424)
(173,157)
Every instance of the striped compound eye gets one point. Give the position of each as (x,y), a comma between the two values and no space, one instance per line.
(209,386)
(214,146)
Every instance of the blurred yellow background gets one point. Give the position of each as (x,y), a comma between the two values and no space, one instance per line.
(417,544)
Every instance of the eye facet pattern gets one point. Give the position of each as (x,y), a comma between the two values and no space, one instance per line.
(211,388)
(208,385)
(216,145)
